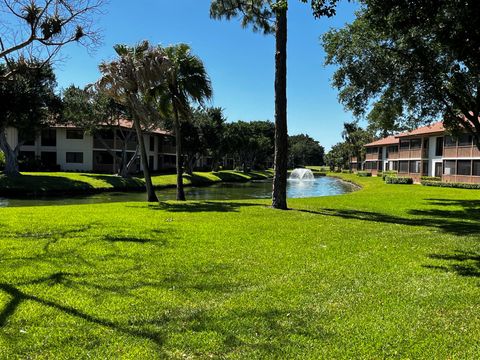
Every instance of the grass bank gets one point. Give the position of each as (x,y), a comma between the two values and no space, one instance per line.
(61,183)
(390,271)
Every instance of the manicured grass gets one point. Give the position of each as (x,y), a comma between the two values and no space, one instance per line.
(63,182)
(390,271)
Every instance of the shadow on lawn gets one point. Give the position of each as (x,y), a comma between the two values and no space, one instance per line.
(26,185)
(461,262)
(201,206)
(461,221)
(118,182)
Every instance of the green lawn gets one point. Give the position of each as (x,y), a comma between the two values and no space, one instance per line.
(390,271)
(65,182)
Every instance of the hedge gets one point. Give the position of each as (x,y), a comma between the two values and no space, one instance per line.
(399,180)
(390,173)
(364,173)
(451,185)
(431,178)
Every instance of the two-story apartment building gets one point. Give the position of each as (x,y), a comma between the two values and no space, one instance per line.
(426,151)
(69,148)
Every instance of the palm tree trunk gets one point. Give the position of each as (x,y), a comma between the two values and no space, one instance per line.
(11,163)
(178,160)
(279,194)
(151,196)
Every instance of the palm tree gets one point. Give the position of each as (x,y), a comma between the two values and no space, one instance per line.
(129,80)
(270,17)
(187,82)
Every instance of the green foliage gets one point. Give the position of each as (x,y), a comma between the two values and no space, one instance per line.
(339,156)
(364,173)
(450,184)
(398,180)
(251,144)
(28,98)
(431,178)
(304,150)
(2,160)
(409,60)
(390,173)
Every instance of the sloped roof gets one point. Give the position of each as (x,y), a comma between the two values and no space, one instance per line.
(429,129)
(124,123)
(389,140)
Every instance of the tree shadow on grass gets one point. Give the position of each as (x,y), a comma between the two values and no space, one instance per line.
(460,222)
(27,185)
(462,263)
(118,182)
(200,206)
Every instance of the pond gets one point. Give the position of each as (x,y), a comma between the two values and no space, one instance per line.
(320,186)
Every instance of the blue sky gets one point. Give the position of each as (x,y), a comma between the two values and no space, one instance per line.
(240,62)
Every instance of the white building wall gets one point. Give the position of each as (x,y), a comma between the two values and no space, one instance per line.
(65,145)
(432,158)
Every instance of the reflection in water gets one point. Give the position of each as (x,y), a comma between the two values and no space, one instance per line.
(322,186)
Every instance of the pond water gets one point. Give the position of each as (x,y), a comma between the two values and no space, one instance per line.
(320,186)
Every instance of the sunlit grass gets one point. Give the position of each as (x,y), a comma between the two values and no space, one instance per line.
(390,271)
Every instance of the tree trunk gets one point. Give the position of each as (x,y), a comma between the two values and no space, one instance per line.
(279,194)
(178,160)
(151,196)
(11,163)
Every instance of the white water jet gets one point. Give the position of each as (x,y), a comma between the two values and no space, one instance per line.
(302,175)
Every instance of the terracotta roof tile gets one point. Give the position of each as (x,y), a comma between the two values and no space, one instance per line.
(429,129)
(389,140)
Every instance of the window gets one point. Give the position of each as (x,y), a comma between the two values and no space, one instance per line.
(152,143)
(380,166)
(449,167)
(415,144)
(105,134)
(450,141)
(151,163)
(476,168)
(403,166)
(394,165)
(425,168)
(414,167)
(464,167)
(27,138)
(372,150)
(465,140)
(103,158)
(49,137)
(49,158)
(75,157)
(74,134)
(393,149)
(439,147)
(404,144)
(26,156)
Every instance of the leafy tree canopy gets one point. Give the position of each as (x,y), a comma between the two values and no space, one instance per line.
(408,62)
(304,150)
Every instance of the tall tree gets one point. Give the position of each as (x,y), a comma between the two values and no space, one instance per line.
(355,137)
(339,156)
(129,80)
(413,61)
(27,102)
(187,83)
(304,150)
(270,17)
(38,29)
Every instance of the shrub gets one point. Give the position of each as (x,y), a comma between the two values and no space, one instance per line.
(2,161)
(399,180)
(379,174)
(450,184)
(390,173)
(364,173)
(346,171)
(431,178)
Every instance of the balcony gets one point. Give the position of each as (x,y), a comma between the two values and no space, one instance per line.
(373,156)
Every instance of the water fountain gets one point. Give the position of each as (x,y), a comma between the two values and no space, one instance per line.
(302,175)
